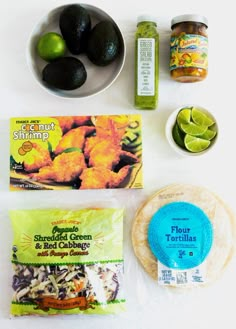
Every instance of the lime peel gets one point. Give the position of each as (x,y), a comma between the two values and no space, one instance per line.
(184,116)
(178,135)
(195,144)
(193,129)
(201,118)
(209,134)
(51,46)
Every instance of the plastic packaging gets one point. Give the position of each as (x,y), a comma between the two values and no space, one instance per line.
(184,236)
(67,262)
(146,63)
(189,48)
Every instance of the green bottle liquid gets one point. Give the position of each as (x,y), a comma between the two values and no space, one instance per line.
(146,63)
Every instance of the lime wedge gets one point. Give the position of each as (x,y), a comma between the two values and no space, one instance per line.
(178,136)
(209,134)
(201,118)
(184,116)
(193,129)
(195,144)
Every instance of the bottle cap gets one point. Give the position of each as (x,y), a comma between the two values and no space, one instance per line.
(189,18)
(146,18)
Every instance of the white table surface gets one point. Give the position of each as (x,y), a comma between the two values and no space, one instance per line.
(148,306)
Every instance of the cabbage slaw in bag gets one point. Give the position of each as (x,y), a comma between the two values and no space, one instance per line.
(67,262)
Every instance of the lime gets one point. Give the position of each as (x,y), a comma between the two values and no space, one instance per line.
(193,129)
(209,134)
(51,46)
(178,136)
(195,144)
(201,118)
(184,116)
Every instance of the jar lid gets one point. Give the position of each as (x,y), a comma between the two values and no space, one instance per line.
(146,18)
(189,18)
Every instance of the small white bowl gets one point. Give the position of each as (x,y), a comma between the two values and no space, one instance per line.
(169,127)
(98,78)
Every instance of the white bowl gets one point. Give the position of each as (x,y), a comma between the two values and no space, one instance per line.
(169,127)
(98,78)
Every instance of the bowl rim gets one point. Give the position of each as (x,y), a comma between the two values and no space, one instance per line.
(30,61)
(170,124)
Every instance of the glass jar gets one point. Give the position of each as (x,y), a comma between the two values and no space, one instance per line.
(146,63)
(189,48)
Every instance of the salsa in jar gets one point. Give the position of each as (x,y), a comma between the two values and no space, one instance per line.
(189,48)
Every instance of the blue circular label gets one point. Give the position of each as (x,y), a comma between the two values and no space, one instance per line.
(180,235)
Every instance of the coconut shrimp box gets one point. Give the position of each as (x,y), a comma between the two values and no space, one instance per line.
(76,152)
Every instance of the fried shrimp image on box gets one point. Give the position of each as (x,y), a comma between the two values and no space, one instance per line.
(81,120)
(65,123)
(39,157)
(68,122)
(107,154)
(100,177)
(66,167)
(74,138)
(106,151)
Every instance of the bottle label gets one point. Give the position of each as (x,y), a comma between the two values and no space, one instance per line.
(188,50)
(146,67)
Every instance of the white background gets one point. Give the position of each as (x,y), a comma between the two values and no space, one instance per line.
(148,306)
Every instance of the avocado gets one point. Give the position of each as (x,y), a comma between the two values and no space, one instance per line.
(75,24)
(65,73)
(103,43)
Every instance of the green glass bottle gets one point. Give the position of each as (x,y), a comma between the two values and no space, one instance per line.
(146,63)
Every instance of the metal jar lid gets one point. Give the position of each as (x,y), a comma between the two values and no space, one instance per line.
(189,18)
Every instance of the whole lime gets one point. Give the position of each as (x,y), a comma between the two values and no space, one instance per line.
(51,46)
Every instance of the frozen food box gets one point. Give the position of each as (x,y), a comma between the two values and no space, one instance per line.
(76,152)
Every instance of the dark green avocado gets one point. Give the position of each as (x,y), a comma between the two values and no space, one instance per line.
(75,25)
(103,45)
(66,73)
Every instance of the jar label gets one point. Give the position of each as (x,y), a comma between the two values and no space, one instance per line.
(146,67)
(188,50)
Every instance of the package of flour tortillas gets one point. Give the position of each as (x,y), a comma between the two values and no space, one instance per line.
(184,236)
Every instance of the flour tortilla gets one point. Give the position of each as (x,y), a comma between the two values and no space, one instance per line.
(221,217)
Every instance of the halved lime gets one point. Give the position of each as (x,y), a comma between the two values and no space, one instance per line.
(178,135)
(195,144)
(184,116)
(201,118)
(193,129)
(209,134)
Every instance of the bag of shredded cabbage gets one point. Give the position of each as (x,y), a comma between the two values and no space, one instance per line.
(67,262)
